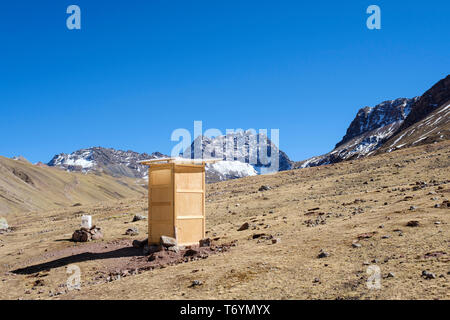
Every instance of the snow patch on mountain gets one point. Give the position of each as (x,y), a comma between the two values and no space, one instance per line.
(224,170)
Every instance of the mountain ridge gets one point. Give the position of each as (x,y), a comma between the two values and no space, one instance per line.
(373,128)
(108,160)
(119,163)
(244,146)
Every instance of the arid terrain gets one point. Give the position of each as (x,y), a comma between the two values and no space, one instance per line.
(358,213)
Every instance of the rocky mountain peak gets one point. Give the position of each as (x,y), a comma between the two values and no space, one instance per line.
(383,114)
(256,150)
(393,124)
(428,102)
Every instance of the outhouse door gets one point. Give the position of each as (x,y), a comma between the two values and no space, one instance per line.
(160,202)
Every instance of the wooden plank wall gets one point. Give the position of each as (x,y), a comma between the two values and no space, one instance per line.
(190,203)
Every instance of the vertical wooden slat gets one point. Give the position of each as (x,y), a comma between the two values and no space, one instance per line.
(174,190)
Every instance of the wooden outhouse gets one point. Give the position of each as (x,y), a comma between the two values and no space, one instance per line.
(176,200)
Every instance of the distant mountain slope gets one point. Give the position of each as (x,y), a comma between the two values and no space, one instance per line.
(369,119)
(120,163)
(26,187)
(117,163)
(384,127)
(431,100)
(428,121)
(366,132)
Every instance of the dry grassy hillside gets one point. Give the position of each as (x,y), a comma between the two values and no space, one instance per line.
(357,212)
(25,187)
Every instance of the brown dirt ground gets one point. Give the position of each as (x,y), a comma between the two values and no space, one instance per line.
(366,201)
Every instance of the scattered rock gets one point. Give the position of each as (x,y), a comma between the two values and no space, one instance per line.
(356,245)
(428,275)
(264,188)
(261,235)
(206,242)
(168,241)
(445,204)
(85,235)
(323,254)
(276,240)
(245,226)
(139,217)
(175,249)
(385,237)
(132,231)
(366,235)
(195,283)
(316,280)
(38,283)
(390,275)
(412,208)
(96,234)
(412,223)
(434,254)
(190,252)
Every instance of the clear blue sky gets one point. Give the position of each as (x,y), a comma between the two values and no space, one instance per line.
(137,70)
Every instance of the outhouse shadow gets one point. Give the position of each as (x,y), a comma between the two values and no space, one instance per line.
(77,258)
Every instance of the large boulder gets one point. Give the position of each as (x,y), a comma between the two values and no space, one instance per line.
(139,217)
(168,241)
(206,242)
(96,234)
(85,235)
(81,235)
